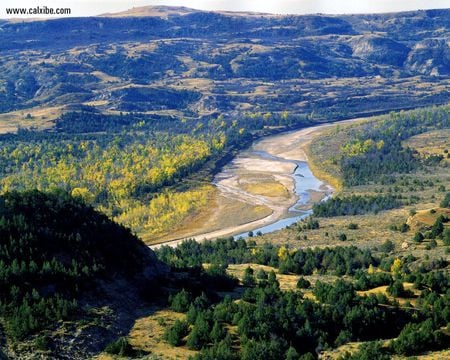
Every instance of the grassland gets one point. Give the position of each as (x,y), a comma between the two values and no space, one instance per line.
(431,143)
(147,336)
(271,189)
(353,346)
(39,118)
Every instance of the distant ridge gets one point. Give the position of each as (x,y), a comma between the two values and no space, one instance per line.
(165,12)
(156,11)
(153,59)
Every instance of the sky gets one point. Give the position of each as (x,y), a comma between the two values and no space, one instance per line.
(95,7)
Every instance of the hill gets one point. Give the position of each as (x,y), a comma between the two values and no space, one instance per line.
(226,63)
(61,263)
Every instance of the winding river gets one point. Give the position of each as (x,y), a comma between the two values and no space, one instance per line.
(263,189)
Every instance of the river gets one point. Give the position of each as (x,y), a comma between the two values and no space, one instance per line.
(277,162)
(305,182)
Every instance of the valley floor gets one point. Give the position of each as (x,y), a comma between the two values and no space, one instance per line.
(256,189)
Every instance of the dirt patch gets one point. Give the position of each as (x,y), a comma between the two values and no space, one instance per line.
(222,213)
(426,218)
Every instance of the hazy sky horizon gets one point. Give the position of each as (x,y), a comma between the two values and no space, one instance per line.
(96,7)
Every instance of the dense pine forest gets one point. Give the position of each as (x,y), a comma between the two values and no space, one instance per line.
(59,248)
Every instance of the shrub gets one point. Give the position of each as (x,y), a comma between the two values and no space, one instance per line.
(446,237)
(396,289)
(248,279)
(180,302)
(368,351)
(261,274)
(174,335)
(404,227)
(302,283)
(445,203)
(387,246)
(416,338)
(120,347)
(418,237)
(200,334)
(41,342)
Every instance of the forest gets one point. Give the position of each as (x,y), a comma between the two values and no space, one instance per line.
(147,172)
(119,174)
(53,249)
(375,150)
(57,249)
(271,322)
(341,260)
(356,205)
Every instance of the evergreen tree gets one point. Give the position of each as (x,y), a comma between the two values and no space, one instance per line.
(174,335)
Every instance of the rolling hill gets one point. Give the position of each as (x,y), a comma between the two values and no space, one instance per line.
(227,63)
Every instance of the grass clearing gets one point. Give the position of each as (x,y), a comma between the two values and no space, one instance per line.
(147,334)
(268,189)
(287,281)
(431,143)
(426,218)
(40,118)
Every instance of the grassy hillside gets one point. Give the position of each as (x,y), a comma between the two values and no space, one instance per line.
(377,201)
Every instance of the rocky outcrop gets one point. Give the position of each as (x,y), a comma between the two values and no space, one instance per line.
(379,50)
(430,57)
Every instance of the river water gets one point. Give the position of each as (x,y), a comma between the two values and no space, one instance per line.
(304,181)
